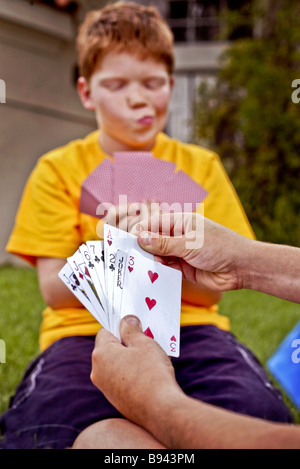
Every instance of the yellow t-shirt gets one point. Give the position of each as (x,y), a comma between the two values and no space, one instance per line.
(50,224)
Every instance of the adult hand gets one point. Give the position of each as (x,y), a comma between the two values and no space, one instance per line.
(119,370)
(205,252)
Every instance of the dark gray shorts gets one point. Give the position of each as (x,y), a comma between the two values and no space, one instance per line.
(56,400)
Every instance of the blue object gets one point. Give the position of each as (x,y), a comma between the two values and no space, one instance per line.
(284,365)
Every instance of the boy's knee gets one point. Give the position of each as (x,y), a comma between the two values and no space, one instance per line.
(94,436)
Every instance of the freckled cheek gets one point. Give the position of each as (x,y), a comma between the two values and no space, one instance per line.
(110,109)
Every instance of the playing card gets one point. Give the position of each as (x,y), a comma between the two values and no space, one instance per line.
(67,275)
(151,176)
(90,270)
(115,239)
(81,271)
(97,189)
(96,252)
(115,277)
(146,293)
(126,165)
(120,261)
(140,176)
(180,193)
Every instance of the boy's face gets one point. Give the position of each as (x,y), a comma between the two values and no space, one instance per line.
(130,98)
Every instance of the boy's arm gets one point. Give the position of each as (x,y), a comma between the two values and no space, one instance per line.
(53,290)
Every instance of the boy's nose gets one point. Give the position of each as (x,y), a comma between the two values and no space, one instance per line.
(136,98)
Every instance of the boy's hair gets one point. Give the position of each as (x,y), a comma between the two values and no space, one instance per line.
(124,26)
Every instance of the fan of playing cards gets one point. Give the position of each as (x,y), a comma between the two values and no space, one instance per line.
(138,176)
(114,277)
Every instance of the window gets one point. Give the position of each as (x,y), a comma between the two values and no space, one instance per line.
(196,20)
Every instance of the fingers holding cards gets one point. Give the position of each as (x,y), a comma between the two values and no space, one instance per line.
(115,277)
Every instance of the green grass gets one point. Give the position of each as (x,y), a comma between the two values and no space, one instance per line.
(258,320)
(261,322)
(20,315)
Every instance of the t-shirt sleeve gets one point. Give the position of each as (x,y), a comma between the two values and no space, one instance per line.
(47,220)
(222,204)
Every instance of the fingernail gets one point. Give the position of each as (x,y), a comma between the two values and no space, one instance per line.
(132,320)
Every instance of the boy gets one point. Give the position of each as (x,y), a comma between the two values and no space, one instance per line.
(126,65)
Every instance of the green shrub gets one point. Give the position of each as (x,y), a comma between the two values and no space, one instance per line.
(249,118)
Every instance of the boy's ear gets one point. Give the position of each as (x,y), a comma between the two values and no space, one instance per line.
(172,82)
(84,92)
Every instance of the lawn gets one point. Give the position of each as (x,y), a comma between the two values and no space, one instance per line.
(258,320)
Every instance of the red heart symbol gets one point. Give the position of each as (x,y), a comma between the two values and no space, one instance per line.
(173,338)
(150,303)
(109,241)
(152,275)
(130,268)
(148,333)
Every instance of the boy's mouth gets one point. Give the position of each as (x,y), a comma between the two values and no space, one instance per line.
(146,120)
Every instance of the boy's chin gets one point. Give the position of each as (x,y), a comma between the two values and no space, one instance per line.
(113,143)
(134,145)
(143,146)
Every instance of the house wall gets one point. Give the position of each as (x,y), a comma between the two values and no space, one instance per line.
(42,109)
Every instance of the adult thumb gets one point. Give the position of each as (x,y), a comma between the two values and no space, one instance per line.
(162,245)
(130,328)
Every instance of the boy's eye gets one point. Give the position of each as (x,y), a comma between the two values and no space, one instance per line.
(113,85)
(155,83)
